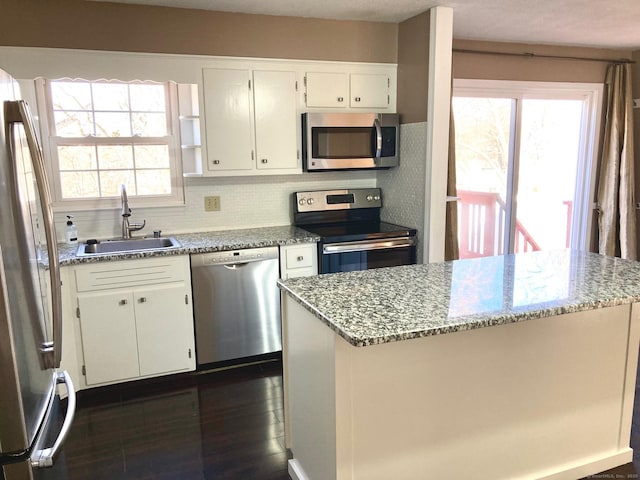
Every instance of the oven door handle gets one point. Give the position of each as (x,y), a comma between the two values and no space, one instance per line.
(364,245)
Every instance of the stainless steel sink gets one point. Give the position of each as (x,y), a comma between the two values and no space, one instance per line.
(107,247)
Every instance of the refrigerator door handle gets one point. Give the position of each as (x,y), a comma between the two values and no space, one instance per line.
(18,112)
(44,458)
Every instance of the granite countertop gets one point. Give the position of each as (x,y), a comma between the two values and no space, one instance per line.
(203,242)
(399,303)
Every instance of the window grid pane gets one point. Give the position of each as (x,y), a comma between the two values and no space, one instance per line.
(91,164)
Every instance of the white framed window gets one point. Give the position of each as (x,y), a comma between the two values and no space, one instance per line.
(525,164)
(105,133)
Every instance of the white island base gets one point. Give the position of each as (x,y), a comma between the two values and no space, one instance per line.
(548,398)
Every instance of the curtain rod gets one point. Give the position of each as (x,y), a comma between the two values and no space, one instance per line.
(534,55)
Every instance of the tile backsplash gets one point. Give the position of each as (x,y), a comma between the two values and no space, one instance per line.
(404,187)
(245,202)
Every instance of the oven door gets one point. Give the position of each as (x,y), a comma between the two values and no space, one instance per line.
(367,254)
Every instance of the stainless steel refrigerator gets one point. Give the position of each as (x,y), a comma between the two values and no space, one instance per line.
(33,419)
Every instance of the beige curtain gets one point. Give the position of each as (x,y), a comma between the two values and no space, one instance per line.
(616,199)
(451,251)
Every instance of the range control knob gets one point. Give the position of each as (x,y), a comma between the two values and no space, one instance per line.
(369,198)
(301,201)
(376,198)
(310,201)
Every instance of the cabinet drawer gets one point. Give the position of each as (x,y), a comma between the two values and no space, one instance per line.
(299,257)
(130,273)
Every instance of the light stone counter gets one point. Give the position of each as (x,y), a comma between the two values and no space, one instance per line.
(391,304)
(545,392)
(203,242)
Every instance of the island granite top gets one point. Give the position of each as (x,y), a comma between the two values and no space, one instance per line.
(203,242)
(400,303)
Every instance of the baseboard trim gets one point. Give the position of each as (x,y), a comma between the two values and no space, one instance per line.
(590,467)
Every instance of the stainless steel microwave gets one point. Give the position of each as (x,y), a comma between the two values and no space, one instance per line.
(350,141)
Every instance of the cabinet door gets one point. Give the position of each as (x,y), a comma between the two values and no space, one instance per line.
(298,260)
(108,336)
(227,105)
(165,329)
(369,91)
(327,89)
(276,119)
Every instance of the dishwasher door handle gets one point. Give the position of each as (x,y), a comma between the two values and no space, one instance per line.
(234,266)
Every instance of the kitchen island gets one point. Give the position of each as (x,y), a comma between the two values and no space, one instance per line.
(519,366)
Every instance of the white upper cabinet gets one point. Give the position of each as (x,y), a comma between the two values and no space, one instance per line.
(370,91)
(227,106)
(276,120)
(348,90)
(251,122)
(249,111)
(327,89)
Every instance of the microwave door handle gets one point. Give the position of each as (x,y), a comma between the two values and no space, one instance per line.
(376,124)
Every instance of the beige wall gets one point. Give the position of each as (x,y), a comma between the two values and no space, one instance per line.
(136,28)
(413,68)
(499,67)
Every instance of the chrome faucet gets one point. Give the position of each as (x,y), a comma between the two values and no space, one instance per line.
(127,227)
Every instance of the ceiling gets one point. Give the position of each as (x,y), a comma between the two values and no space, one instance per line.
(592,23)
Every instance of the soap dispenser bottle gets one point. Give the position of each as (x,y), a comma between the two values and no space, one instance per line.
(71,232)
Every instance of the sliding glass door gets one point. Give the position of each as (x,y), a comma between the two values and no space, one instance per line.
(524,160)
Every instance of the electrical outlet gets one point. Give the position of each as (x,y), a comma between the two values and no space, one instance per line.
(212,204)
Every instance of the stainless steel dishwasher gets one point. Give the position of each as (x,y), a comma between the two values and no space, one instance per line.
(236,304)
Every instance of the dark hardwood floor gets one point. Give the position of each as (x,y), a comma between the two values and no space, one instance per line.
(222,425)
(226,424)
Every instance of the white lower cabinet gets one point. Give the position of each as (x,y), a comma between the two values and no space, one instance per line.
(299,260)
(135,318)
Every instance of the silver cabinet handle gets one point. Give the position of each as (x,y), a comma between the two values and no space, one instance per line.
(341,99)
(357,99)
(42,458)
(18,112)
(124,301)
(142,300)
(264,160)
(216,162)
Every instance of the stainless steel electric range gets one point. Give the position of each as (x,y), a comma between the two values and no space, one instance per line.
(352,235)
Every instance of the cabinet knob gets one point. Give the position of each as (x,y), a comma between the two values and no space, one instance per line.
(216,162)
(264,160)
(142,300)
(341,99)
(300,258)
(357,99)
(123,302)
